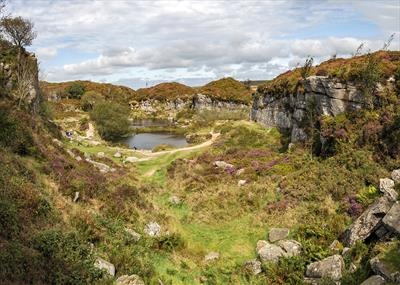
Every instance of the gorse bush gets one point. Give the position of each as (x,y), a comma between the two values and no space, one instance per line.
(13,134)
(112,120)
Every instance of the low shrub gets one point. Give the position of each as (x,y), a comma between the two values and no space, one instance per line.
(112,120)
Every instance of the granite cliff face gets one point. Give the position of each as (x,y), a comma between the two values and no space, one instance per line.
(199,102)
(321,96)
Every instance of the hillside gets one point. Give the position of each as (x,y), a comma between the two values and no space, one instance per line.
(244,207)
(108,91)
(227,89)
(384,63)
(166,92)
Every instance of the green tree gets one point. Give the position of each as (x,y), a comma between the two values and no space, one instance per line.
(76,90)
(18,30)
(90,99)
(111,119)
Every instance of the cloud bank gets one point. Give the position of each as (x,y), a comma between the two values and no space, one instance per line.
(194,41)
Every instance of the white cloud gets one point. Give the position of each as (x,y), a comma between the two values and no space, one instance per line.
(46,52)
(188,39)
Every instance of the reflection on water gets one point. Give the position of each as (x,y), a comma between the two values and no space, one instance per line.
(150,140)
(151,123)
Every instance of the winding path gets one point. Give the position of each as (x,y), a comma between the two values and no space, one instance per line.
(150,155)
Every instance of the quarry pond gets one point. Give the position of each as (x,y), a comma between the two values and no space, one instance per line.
(150,140)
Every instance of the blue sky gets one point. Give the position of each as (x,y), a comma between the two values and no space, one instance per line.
(193,42)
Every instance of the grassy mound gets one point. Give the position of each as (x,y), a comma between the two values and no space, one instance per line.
(108,91)
(166,92)
(227,89)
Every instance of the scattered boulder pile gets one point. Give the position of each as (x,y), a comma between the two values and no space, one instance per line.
(380,220)
(277,247)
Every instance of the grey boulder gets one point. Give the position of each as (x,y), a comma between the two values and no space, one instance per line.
(396,176)
(368,222)
(386,186)
(152,229)
(129,280)
(105,265)
(276,234)
(392,218)
(291,247)
(270,252)
(374,280)
(330,267)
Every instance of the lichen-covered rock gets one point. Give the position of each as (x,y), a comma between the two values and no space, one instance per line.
(253,266)
(105,265)
(260,244)
(396,176)
(276,234)
(291,247)
(270,252)
(222,164)
(129,280)
(374,280)
(211,256)
(386,186)
(134,235)
(381,268)
(392,218)
(289,112)
(368,222)
(153,229)
(330,267)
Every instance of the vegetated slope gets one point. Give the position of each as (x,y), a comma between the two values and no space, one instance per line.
(166,92)
(227,89)
(45,237)
(108,91)
(356,69)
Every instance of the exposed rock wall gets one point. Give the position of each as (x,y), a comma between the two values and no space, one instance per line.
(321,96)
(202,102)
(25,85)
(199,102)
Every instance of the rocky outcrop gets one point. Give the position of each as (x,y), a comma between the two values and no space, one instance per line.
(289,113)
(204,102)
(22,88)
(380,267)
(369,222)
(392,219)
